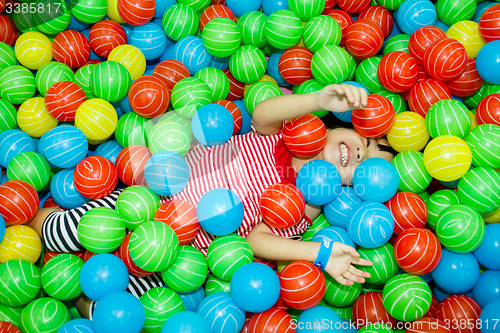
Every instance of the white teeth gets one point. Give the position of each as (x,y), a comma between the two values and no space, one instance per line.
(344,150)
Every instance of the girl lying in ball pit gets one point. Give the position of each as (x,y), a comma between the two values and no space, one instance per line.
(262,160)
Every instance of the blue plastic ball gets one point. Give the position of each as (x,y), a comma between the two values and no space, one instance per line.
(78,326)
(349,326)
(335,234)
(490,317)
(191,52)
(186,322)
(220,212)
(488,253)
(241,7)
(273,68)
(395,31)
(481,8)
(128,29)
(220,63)
(64,146)
(221,313)
(119,312)
(3,179)
(2,228)
(246,126)
(162,6)
(102,275)
(255,287)
(169,52)
(463,267)
(192,299)
(167,173)
(339,211)
(488,62)
(319,182)
(212,125)
(487,288)
(271,6)
(109,149)
(415,14)
(347,115)
(371,225)
(318,320)
(76,25)
(150,39)
(63,190)
(442,294)
(375,179)
(12,143)
(125,105)
(442,26)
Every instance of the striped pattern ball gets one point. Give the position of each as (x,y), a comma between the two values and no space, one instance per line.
(332,65)
(8,116)
(7,56)
(221,37)
(417,251)
(228,253)
(460,229)
(447,158)
(171,71)
(381,16)
(54,19)
(9,33)
(124,254)
(222,313)
(170,136)
(20,242)
(445,59)
(20,202)
(173,116)
(44,315)
(130,57)
(34,119)
(305,135)
(398,71)
(468,83)
(421,39)
(180,21)
(216,80)
(413,176)
(33,50)
(397,43)
(188,272)
(413,15)
(480,189)
(366,74)
(259,92)
(282,205)
(407,297)
(11,315)
(376,119)
(20,281)
(343,19)
(460,309)
(248,64)
(307,9)
(198,5)
(105,35)
(110,81)
(354,6)
(64,146)
(136,205)
(450,12)
(235,112)
(63,191)
(8,327)
(273,320)
(369,309)
(339,295)
(96,118)
(136,12)
(482,141)
(251,26)
(384,263)
(318,224)
(426,93)
(192,53)
(215,11)
(488,110)
(438,202)
(160,304)
(448,117)
(130,164)
(408,132)
(489,24)
(409,211)
(61,277)
(101,230)
(320,31)
(131,130)
(62,100)
(283,29)
(216,285)
(17,84)
(31,168)
(302,285)
(51,73)
(95,177)
(181,216)
(236,88)
(154,246)
(338,212)
(396,100)
(149,96)
(466,32)
(190,94)
(364,38)
(71,48)
(371,225)
(88,11)
(295,65)
(82,78)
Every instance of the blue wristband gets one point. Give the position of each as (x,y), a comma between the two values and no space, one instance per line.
(324,253)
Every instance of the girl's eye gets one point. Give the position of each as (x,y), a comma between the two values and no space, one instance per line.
(368,141)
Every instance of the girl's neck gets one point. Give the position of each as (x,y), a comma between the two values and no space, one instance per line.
(298,162)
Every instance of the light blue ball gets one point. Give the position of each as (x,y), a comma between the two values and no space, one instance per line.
(273,68)
(125,105)
(457,99)
(415,14)
(318,320)
(442,26)
(375,179)
(150,39)
(463,267)
(335,234)
(488,253)
(220,63)
(212,125)
(490,317)
(2,228)
(339,211)
(319,182)
(221,313)
(246,125)
(487,288)
(191,52)
(74,24)
(488,62)
(3,179)
(240,7)
(162,6)
(186,322)
(348,326)
(481,8)
(220,212)
(166,173)
(128,29)
(64,146)
(119,312)
(168,54)
(109,149)
(78,326)
(12,143)
(371,225)
(426,277)
(271,6)
(63,190)
(192,299)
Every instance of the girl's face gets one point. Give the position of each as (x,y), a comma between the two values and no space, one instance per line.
(345,149)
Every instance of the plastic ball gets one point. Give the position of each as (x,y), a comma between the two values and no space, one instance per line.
(34,119)
(71,48)
(355,6)
(186,321)
(438,202)
(88,11)
(460,309)
(490,314)
(235,113)
(369,309)
(371,224)
(409,211)
(215,11)
(247,64)
(188,272)
(486,289)
(259,92)
(398,71)
(33,50)
(466,32)
(411,170)
(97,119)
(338,212)
(272,320)
(216,308)
(448,117)
(65,146)
(105,35)
(17,84)
(110,81)
(332,65)
(60,277)
(31,168)
(375,179)
(221,37)
(415,14)
(101,230)
(445,59)
(136,12)
(212,125)
(137,204)
(79,325)
(364,38)
(302,285)
(178,29)
(408,132)
(130,164)
(181,216)
(282,206)
(20,242)
(8,327)
(487,253)
(150,40)
(417,251)
(82,78)
(171,136)
(447,158)
(384,263)
(191,52)
(44,315)
(283,29)
(452,12)
(216,80)
(189,95)
(488,110)
(479,188)
(166,173)
(366,74)
(130,57)
(63,191)
(20,202)
(214,284)
(62,100)
(488,24)
(8,113)
(319,181)
(160,304)
(343,19)
(171,72)
(220,212)
(319,318)
(227,254)
(421,39)
(469,83)
(380,16)
(149,96)
(295,65)
(119,311)
(425,94)
(109,150)
(376,119)
(95,177)
(462,266)
(20,281)
(320,31)
(51,73)
(305,135)
(397,42)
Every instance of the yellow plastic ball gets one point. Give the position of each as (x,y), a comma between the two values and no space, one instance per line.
(266,78)
(408,132)
(113,13)
(466,32)
(130,57)
(493,217)
(20,242)
(447,158)
(473,121)
(34,119)
(97,119)
(280,265)
(33,50)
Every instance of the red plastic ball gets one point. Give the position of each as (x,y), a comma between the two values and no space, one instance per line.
(2,5)
(329,5)
(19,202)
(369,309)
(50,203)
(398,71)
(376,119)
(409,211)
(295,65)
(63,99)
(267,262)
(171,72)
(489,24)
(425,93)
(428,325)
(434,307)
(417,251)
(235,112)
(8,31)
(71,48)
(343,19)
(282,206)
(302,285)
(149,96)
(124,255)
(136,12)
(181,216)
(236,88)
(468,83)
(47,256)
(95,177)
(6,327)
(93,62)
(305,135)
(105,35)
(379,15)
(218,2)
(215,11)
(488,110)
(459,311)
(421,39)
(364,38)
(271,321)
(445,59)
(87,255)
(130,164)
(353,6)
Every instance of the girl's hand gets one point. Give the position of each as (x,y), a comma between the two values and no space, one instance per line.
(340,265)
(341,98)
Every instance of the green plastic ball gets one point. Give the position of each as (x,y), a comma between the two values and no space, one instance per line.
(332,65)
(188,272)
(136,205)
(51,73)
(269,50)
(452,11)
(396,100)
(19,281)
(251,25)
(283,29)
(460,229)
(366,74)
(7,56)
(216,80)
(479,188)
(216,285)
(491,89)
(180,21)
(174,116)
(407,297)
(11,314)
(54,18)
(30,167)
(259,92)
(473,100)
(376,328)
(344,313)
(228,253)
(198,5)
(17,84)
(154,246)
(320,31)
(88,11)
(8,116)
(317,224)
(391,4)
(448,117)
(25,22)
(339,295)
(44,315)
(221,37)
(424,195)
(397,43)
(311,87)
(110,81)
(413,177)
(131,130)
(483,143)
(170,136)
(306,9)
(248,64)
(61,277)
(101,230)
(384,263)
(160,304)
(438,202)
(82,78)
(190,94)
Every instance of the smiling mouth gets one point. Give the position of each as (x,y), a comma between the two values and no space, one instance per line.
(344,154)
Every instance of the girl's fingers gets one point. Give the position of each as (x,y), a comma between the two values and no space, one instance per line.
(338,89)
(362,262)
(351,277)
(340,279)
(358,272)
(364,98)
(349,250)
(349,93)
(356,92)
